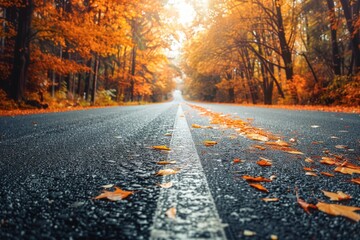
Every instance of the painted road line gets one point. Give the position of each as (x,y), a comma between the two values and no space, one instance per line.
(196,216)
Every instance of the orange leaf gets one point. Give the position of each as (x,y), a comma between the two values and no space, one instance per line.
(210,143)
(279,143)
(165,172)
(339,210)
(264,162)
(171,213)
(294,152)
(328,161)
(116,195)
(258,186)
(236,160)
(270,199)
(327,174)
(196,126)
(308,169)
(161,147)
(346,170)
(255,179)
(305,205)
(356,180)
(309,160)
(336,196)
(259,147)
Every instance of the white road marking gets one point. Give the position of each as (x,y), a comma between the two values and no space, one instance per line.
(197,216)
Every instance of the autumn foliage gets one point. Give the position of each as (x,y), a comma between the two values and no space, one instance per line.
(271,51)
(62,52)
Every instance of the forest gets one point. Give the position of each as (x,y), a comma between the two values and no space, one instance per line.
(60,53)
(275,52)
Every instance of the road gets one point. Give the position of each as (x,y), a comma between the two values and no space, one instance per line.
(52,166)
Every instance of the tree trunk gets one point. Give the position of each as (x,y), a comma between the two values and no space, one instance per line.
(133,66)
(19,74)
(351,13)
(334,44)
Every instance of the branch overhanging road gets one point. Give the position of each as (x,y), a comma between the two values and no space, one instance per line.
(52,166)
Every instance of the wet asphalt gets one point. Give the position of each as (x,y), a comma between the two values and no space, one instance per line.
(53,165)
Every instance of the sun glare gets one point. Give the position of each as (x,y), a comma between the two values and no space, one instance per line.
(186,11)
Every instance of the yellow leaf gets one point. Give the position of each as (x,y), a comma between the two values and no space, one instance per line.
(339,210)
(309,160)
(166,162)
(258,186)
(249,233)
(270,199)
(116,195)
(257,137)
(294,152)
(161,147)
(171,213)
(210,143)
(196,126)
(165,172)
(259,147)
(166,185)
(336,196)
(279,143)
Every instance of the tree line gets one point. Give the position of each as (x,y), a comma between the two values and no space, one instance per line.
(275,51)
(86,51)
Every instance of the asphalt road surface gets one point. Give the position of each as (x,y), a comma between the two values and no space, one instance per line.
(52,166)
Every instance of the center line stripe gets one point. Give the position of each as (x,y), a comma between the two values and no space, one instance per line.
(197,216)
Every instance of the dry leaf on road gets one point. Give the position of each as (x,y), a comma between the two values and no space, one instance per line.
(116,195)
(165,162)
(346,170)
(210,143)
(165,172)
(258,186)
(339,210)
(338,196)
(327,174)
(161,147)
(356,180)
(270,199)
(166,185)
(171,213)
(264,162)
(255,179)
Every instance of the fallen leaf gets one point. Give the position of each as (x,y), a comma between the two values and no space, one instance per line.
(171,213)
(338,196)
(279,143)
(270,199)
(165,162)
(257,137)
(315,126)
(168,134)
(356,180)
(107,186)
(255,179)
(294,152)
(309,160)
(258,186)
(311,174)
(264,162)
(116,195)
(210,143)
(166,185)
(306,206)
(195,125)
(327,174)
(339,210)
(161,147)
(272,177)
(236,160)
(249,233)
(165,172)
(328,161)
(341,147)
(346,170)
(259,147)
(274,237)
(308,169)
